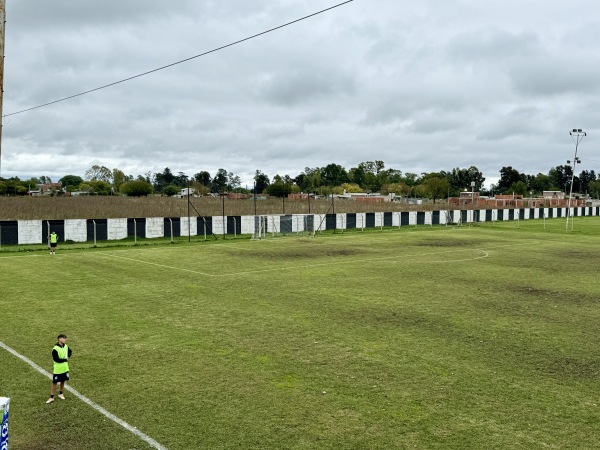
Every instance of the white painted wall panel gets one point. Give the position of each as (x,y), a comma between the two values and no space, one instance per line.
(116,229)
(428,218)
(378,219)
(247,226)
(319,222)
(341,221)
(482,215)
(219,225)
(412,218)
(76,230)
(188,226)
(155,227)
(443,217)
(30,232)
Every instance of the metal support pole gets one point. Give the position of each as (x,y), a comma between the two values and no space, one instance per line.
(2,35)
(94,222)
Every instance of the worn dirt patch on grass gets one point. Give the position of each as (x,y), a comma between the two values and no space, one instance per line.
(303,253)
(445,243)
(572,368)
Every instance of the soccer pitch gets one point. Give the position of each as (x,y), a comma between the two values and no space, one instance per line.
(468,337)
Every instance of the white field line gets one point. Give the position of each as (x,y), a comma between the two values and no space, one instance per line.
(20,256)
(353,261)
(84,399)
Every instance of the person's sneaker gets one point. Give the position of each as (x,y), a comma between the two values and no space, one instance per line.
(62,397)
(50,400)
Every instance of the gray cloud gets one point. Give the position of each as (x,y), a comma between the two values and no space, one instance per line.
(424,88)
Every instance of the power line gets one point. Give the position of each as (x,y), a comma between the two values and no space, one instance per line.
(179,62)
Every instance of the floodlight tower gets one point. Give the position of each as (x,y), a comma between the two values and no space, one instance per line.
(577,134)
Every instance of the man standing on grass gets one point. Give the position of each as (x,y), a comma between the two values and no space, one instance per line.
(60,354)
(53,240)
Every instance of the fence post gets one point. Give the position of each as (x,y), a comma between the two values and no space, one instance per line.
(94,222)
(134,231)
(171,221)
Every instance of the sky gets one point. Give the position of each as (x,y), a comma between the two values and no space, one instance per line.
(423,86)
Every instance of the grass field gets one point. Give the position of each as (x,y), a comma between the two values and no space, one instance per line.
(469,337)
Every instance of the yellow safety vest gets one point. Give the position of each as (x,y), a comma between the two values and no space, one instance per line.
(63,353)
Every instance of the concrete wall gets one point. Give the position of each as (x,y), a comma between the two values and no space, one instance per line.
(31,231)
(188,226)
(116,229)
(247,225)
(155,227)
(76,230)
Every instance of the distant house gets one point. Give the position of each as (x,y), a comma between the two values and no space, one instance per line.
(46,189)
(186,191)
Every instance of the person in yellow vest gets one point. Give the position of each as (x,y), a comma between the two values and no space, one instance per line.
(60,355)
(53,238)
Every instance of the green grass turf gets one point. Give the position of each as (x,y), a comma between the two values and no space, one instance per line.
(468,337)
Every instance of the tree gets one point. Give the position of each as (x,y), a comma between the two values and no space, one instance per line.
(199,188)
(334,175)
(585,178)
(203,178)
(163,179)
(541,183)
(351,187)
(435,185)
(561,177)
(357,175)
(137,188)
(508,176)
(96,187)
(278,188)
(517,188)
(461,179)
(171,189)
(219,181)
(261,181)
(118,178)
(396,188)
(99,173)
(594,188)
(71,181)
(233,181)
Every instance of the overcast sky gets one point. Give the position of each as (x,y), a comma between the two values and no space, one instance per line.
(423,86)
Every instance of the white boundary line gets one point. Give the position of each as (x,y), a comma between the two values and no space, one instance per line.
(84,399)
(278,269)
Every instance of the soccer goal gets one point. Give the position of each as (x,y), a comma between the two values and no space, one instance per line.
(280,226)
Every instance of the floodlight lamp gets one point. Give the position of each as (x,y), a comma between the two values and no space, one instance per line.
(579,131)
(574,130)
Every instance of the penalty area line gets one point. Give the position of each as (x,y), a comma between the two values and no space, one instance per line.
(86,400)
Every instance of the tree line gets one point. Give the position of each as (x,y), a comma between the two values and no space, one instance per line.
(368,176)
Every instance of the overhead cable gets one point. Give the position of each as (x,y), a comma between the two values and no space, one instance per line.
(178,62)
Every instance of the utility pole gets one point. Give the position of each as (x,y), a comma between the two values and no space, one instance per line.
(2,28)
(2,33)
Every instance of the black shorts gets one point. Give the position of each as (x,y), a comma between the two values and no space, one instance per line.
(60,377)
(52,244)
